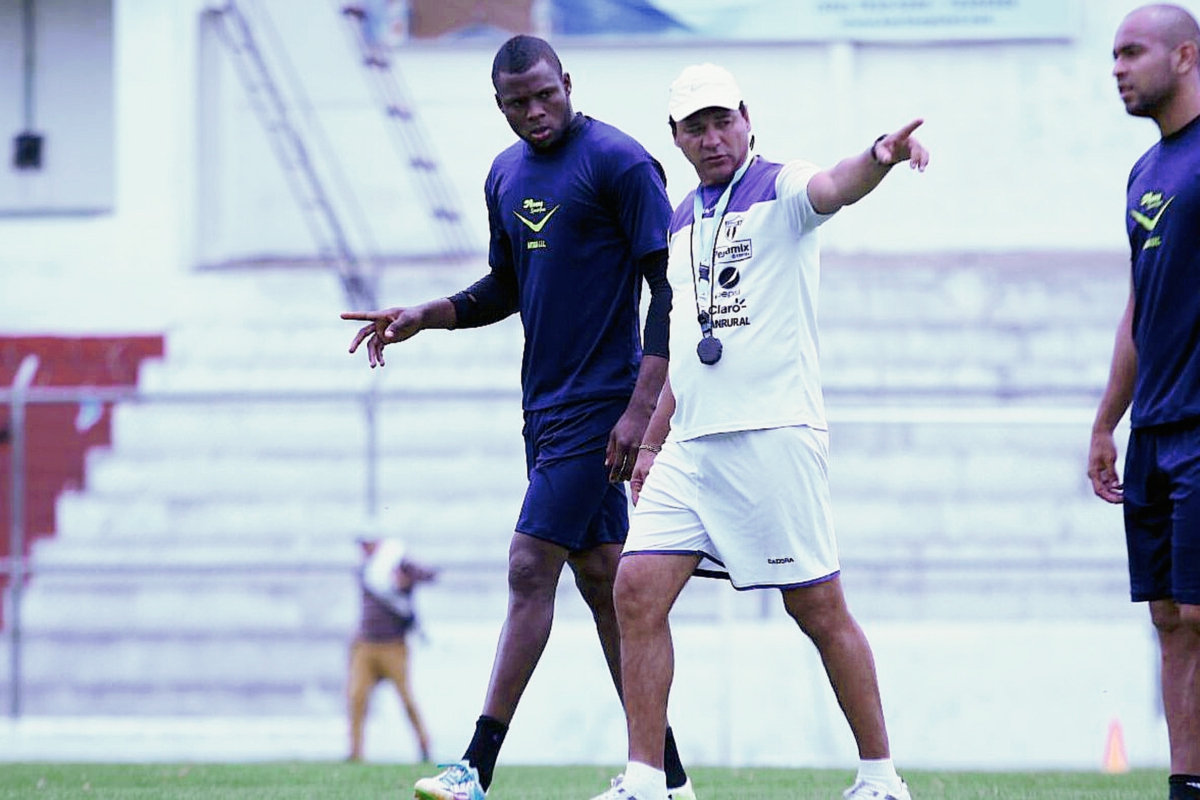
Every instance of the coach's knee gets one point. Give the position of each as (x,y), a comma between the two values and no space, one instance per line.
(820,610)
(636,597)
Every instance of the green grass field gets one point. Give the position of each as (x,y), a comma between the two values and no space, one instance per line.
(330,781)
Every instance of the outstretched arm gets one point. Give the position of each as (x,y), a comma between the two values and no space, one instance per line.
(1102,455)
(852,179)
(391,325)
(490,299)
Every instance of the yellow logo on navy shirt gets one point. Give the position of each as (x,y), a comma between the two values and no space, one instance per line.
(1152,208)
(533,209)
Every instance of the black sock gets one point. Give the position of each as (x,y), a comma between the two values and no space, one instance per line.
(485,747)
(676,777)
(1184,787)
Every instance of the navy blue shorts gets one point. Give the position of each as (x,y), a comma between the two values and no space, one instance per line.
(569,500)
(1162,513)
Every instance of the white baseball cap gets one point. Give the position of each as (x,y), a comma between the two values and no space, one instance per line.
(702,86)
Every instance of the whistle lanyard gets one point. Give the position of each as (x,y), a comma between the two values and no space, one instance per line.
(704,242)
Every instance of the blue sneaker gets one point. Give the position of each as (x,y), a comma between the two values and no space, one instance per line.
(458,781)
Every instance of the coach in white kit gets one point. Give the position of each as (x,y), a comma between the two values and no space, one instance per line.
(739,489)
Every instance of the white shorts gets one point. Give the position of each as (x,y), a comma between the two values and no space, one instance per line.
(754,504)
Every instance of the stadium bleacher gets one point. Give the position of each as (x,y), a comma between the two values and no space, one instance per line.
(205,565)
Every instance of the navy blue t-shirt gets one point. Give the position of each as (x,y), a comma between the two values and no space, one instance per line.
(1163,220)
(569,225)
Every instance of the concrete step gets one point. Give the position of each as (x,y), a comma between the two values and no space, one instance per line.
(239,603)
(446,477)
(325,343)
(217,378)
(403,424)
(188,697)
(87,518)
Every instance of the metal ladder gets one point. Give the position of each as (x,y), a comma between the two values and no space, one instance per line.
(411,141)
(286,140)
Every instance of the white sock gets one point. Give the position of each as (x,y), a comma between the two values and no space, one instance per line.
(645,782)
(880,771)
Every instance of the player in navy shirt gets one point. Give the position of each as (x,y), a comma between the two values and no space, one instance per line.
(578,215)
(1156,366)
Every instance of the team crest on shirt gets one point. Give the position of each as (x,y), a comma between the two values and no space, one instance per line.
(1148,214)
(535,215)
(733,223)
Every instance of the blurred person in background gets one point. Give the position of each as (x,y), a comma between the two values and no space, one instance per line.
(379,651)
(1156,366)
(578,215)
(732,481)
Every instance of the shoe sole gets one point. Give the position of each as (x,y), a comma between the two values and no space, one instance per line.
(419,794)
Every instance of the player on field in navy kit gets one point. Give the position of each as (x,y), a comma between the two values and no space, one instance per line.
(578,213)
(1156,366)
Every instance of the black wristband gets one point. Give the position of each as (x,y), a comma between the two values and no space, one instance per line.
(874,157)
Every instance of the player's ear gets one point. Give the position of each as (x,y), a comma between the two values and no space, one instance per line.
(566,80)
(1189,56)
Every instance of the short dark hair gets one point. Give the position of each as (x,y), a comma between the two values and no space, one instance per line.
(522,53)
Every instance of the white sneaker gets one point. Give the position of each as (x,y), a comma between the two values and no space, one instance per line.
(685,792)
(861,790)
(458,781)
(616,791)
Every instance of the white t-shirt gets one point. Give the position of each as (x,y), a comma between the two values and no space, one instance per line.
(379,576)
(764,309)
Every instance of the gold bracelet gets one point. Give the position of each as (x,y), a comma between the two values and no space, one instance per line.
(651,448)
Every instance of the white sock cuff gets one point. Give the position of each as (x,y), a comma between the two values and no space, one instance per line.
(878,770)
(644,780)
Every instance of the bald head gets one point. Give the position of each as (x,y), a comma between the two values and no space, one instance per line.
(1169,24)
(1156,61)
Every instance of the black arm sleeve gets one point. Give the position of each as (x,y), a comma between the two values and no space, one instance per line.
(656,336)
(489,299)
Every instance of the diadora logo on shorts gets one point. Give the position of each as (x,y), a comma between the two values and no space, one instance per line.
(530,219)
(784,560)
(1152,208)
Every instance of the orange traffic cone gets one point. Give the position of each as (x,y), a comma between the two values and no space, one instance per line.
(1114,750)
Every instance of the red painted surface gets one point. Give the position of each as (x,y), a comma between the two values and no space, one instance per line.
(57,435)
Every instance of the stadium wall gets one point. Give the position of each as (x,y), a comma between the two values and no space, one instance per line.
(1030,147)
